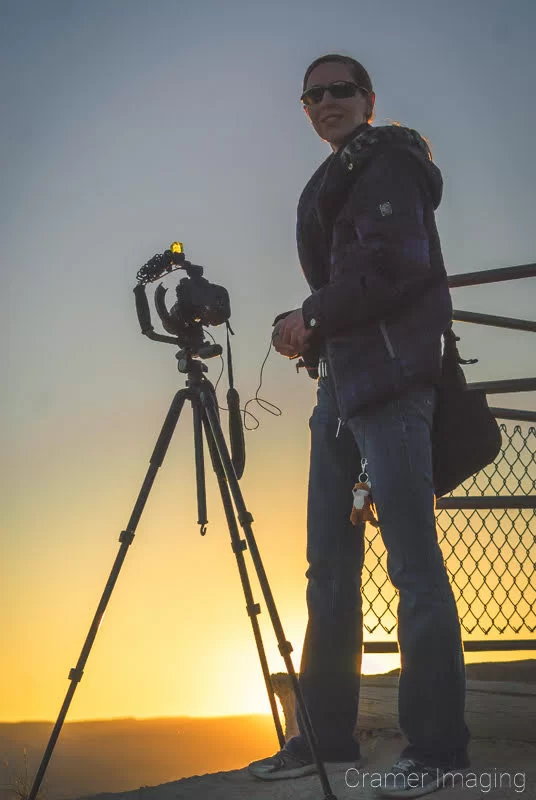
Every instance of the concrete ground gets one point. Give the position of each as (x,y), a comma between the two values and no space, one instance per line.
(500,770)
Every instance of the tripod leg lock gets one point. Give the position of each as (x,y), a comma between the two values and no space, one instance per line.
(254,609)
(76,674)
(240,546)
(127,536)
(246,519)
(285,649)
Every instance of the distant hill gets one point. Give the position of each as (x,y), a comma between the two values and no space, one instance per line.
(122,754)
(517,671)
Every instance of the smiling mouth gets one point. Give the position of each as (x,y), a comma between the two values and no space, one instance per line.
(332,118)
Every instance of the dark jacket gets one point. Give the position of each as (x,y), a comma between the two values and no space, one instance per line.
(370,251)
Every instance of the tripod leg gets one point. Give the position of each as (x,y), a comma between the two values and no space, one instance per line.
(199,465)
(208,399)
(126,538)
(239,545)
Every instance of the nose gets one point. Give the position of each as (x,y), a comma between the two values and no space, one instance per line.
(327,102)
(327,98)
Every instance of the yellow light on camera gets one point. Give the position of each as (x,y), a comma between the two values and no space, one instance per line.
(176,247)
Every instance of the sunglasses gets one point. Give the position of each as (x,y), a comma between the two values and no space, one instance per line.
(338,89)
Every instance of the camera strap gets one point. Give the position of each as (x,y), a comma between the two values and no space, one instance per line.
(229,358)
(236,429)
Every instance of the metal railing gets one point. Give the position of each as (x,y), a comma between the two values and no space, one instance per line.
(486,528)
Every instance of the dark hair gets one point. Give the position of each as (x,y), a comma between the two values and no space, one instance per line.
(359,74)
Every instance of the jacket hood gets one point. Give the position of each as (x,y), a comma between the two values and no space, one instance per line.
(365,141)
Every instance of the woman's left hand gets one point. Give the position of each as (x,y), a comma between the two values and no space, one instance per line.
(290,334)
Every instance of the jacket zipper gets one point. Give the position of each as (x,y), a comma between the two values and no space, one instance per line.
(386,339)
(340,420)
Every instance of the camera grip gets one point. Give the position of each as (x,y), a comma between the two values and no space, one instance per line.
(142,308)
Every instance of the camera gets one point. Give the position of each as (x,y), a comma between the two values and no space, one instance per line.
(199,302)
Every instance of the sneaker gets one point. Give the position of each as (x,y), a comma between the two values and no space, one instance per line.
(410,778)
(282,765)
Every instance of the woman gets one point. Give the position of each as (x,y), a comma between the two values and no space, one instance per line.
(379,303)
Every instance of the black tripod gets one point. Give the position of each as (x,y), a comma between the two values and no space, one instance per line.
(202,396)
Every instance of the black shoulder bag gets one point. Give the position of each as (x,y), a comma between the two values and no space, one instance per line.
(465,436)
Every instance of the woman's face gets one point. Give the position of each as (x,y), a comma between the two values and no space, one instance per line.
(331,118)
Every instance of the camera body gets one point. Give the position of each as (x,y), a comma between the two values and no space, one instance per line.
(199,303)
(198,300)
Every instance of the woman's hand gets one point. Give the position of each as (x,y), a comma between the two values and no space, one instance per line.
(290,335)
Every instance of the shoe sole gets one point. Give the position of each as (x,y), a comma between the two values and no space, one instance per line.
(308,769)
(281,775)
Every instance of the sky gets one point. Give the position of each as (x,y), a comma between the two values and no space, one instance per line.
(128,125)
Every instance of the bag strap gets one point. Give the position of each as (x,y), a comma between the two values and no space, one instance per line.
(451,349)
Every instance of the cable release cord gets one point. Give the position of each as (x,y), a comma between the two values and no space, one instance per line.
(266,405)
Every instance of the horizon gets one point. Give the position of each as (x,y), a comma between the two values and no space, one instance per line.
(475,655)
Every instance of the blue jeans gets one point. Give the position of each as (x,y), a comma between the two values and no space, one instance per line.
(395,440)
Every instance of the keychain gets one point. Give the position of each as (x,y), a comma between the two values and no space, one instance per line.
(363,509)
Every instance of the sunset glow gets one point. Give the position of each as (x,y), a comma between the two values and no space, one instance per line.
(122,137)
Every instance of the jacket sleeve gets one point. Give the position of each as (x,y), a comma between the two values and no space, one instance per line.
(386,264)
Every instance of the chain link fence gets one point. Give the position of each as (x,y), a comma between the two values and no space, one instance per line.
(490,554)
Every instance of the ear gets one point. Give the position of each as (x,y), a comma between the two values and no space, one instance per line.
(372,100)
